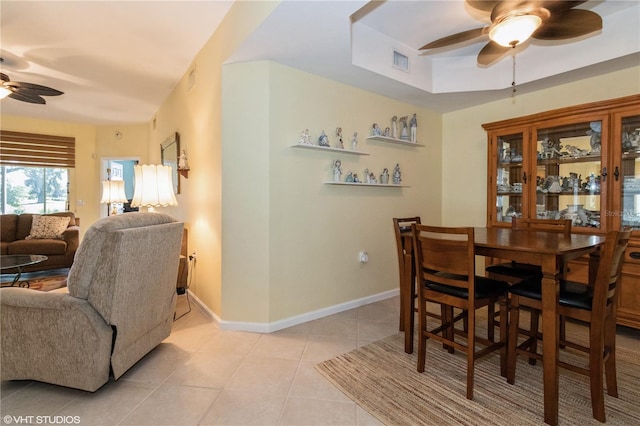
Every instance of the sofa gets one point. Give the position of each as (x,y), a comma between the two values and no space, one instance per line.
(18,236)
(118,306)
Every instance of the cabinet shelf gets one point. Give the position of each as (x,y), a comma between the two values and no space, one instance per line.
(569,160)
(392,140)
(328,148)
(386,185)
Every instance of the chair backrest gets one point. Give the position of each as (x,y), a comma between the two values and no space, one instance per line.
(445,255)
(609,271)
(547,225)
(126,267)
(403,226)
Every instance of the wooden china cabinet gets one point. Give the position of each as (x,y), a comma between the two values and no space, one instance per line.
(580,163)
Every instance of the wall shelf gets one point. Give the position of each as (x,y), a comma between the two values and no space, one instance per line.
(328,148)
(392,140)
(387,185)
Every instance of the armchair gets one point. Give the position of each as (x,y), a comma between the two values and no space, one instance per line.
(119,306)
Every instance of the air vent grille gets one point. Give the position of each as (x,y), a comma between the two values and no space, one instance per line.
(400,61)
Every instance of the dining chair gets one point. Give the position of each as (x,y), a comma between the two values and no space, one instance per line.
(405,260)
(596,307)
(514,271)
(445,267)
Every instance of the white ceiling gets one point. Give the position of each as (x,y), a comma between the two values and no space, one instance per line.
(117,61)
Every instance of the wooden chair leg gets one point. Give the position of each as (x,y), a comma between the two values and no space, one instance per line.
(471,338)
(422,340)
(610,363)
(533,334)
(491,323)
(504,323)
(596,373)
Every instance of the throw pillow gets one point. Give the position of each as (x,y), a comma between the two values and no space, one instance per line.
(48,227)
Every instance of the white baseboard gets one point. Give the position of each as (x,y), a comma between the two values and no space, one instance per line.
(260,327)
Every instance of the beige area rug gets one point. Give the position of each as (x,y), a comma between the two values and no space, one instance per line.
(382,379)
(42,281)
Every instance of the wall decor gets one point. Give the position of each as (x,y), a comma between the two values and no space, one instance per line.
(169,154)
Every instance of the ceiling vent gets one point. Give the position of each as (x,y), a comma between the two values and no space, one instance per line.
(400,61)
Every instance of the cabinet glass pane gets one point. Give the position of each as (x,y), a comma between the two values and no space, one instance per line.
(509,177)
(630,173)
(568,172)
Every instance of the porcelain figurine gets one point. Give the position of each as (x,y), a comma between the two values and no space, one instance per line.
(339,143)
(397,175)
(367,178)
(305,138)
(413,124)
(349,177)
(394,127)
(375,129)
(323,140)
(354,142)
(384,177)
(337,170)
(404,132)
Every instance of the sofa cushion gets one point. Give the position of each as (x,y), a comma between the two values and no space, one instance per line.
(24,222)
(8,224)
(4,247)
(47,227)
(47,247)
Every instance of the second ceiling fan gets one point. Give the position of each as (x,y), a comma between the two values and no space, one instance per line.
(513,22)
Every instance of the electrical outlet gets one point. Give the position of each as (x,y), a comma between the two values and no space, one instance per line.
(364,257)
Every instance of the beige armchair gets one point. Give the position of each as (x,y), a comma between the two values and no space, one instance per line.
(119,306)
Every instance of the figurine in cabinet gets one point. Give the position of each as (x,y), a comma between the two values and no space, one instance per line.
(397,175)
(594,141)
(339,143)
(413,123)
(323,140)
(394,127)
(337,170)
(550,148)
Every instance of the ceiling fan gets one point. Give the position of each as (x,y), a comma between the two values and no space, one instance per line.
(514,21)
(25,92)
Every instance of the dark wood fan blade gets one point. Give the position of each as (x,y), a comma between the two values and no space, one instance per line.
(27,97)
(558,6)
(36,88)
(4,77)
(456,38)
(483,5)
(491,52)
(568,24)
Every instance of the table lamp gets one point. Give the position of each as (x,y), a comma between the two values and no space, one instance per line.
(113,192)
(153,187)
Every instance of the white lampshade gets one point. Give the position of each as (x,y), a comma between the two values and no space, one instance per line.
(515,30)
(113,192)
(153,186)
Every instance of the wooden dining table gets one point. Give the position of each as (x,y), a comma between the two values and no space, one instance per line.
(549,250)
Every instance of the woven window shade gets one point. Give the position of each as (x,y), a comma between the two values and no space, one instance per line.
(35,150)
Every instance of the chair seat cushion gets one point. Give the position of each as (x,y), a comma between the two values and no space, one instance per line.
(485,288)
(514,269)
(572,294)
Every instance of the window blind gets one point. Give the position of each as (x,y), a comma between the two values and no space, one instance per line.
(36,150)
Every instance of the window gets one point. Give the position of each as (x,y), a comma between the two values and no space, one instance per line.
(34,189)
(34,172)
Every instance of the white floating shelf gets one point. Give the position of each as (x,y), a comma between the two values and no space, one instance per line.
(388,185)
(328,148)
(392,140)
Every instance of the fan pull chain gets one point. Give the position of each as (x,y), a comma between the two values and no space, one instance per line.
(513,83)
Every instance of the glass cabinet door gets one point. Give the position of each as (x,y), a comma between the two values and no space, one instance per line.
(627,139)
(569,173)
(510,175)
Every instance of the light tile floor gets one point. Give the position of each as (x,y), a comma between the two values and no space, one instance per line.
(202,375)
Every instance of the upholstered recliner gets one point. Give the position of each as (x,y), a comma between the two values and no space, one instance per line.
(119,306)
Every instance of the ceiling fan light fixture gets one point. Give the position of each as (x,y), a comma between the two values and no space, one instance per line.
(514,30)
(4,92)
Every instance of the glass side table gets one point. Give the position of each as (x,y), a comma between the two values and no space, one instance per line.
(18,261)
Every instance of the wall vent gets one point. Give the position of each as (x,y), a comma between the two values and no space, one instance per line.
(400,61)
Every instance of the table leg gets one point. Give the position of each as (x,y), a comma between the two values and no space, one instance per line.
(550,337)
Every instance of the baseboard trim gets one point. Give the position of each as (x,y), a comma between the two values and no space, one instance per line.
(258,327)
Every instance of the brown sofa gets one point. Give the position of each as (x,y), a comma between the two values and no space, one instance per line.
(14,228)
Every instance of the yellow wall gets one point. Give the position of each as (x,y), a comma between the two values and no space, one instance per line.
(465,141)
(290,243)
